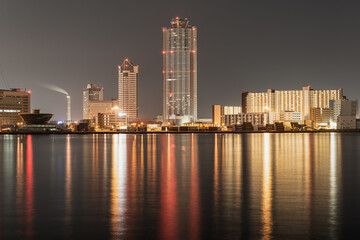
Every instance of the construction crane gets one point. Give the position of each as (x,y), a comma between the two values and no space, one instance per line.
(2,72)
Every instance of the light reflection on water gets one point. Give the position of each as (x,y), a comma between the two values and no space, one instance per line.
(179,186)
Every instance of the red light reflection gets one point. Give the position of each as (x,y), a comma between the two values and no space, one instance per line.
(29,186)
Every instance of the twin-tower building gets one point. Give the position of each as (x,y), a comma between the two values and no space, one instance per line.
(179,80)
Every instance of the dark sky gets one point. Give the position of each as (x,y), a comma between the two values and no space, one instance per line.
(242,46)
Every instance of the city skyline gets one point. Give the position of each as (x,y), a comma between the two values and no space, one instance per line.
(257,46)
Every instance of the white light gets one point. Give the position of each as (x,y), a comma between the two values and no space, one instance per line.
(120,114)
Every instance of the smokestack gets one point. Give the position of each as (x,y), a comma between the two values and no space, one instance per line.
(68,114)
(60,90)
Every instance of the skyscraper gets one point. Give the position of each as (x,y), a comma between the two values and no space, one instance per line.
(91,93)
(179,72)
(128,89)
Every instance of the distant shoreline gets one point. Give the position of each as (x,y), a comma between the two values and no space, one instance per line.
(177,132)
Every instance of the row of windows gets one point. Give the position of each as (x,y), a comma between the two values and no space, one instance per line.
(9,110)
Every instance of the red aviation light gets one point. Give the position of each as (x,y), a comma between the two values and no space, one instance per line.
(29,91)
(171,51)
(163,52)
(193,51)
(163,71)
(126,59)
(177,18)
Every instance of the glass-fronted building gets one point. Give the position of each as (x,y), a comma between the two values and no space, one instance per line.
(180,72)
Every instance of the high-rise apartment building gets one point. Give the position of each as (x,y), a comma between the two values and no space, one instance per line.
(180,72)
(13,102)
(91,93)
(128,89)
(289,100)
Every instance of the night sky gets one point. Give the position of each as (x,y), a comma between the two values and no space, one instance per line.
(242,46)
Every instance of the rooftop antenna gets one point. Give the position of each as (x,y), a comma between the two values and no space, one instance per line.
(4,77)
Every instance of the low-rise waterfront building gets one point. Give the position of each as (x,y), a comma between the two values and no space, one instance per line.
(219,112)
(321,117)
(13,102)
(256,119)
(112,120)
(346,122)
(101,106)
(285,116)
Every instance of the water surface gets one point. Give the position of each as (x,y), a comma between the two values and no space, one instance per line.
(180,186)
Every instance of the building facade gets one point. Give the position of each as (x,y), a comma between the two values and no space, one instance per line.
(289,100)
(13,102)
(345,113)
(256,119)
(179,72)
(219,112)
(321,117)
(101,106)
(91,93)
(111,121)
(346,122)
(128,89)
(344,107)
(285,117)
